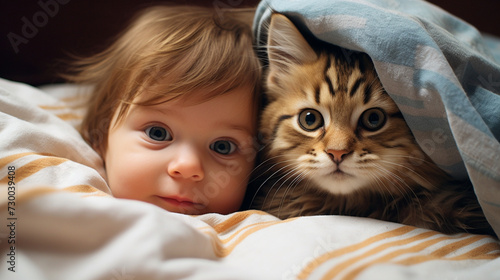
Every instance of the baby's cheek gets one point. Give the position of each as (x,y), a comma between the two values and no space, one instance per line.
(122,180)
(235,194)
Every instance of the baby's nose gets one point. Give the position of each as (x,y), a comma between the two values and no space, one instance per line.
(187,165)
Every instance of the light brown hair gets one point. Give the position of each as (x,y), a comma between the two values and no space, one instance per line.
(171,51)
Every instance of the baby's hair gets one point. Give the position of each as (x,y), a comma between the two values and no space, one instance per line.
(169,51)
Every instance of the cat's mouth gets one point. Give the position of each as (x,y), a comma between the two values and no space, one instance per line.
(339,174)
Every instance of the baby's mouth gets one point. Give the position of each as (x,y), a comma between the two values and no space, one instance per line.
(181,202)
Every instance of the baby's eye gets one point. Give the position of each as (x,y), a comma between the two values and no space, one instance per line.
(223,147)
(158,133)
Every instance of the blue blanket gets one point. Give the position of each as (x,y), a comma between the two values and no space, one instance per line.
(442,72)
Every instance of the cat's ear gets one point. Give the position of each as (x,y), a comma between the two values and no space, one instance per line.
(286,46)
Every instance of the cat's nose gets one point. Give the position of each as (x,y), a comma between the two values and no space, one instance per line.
(337,155)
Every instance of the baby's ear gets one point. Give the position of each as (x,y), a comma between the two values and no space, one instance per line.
(286,46)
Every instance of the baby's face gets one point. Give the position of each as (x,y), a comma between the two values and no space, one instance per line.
(184,157)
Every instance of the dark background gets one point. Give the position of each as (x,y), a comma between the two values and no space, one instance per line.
(84,27)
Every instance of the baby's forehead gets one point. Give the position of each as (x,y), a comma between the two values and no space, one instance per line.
(187,96)
(235,107)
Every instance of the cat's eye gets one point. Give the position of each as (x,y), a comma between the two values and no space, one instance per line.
(223,147)
(158,133)
(373,119)
(310,120)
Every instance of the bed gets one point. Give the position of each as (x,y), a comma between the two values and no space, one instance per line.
(59,220)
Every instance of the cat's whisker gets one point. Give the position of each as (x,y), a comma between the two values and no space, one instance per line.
(295,182)
(410,170)
(274,162)
(395,183)
(410,157)
(406,188)
(250,177)
(286,177)
(268,178)
(398,183)
(382,186)
(306,186)
(379,181)
(270,159)
(297,177)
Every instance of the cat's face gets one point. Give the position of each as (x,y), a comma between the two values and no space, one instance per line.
(330,121)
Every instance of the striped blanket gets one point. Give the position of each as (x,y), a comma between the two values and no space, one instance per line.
(59,221)
(443,74)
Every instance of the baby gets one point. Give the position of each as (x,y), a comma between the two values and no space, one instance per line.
(173,112)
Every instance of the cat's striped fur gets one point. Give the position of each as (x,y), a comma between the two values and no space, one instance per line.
(336,143)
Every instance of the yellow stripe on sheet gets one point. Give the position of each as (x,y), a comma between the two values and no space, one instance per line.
(441,253)
(23,195)
(76,98)
(394,254)
(340,252)
(234,220)
(67,107)
(344,265)
(33,167)
(89,190)
(69,116)
(8,159)
(481,252)
(27,194)
(64,116)
(221,247)
(352,267)
(53,107)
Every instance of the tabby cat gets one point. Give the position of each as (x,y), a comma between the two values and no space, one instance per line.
(336,143)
